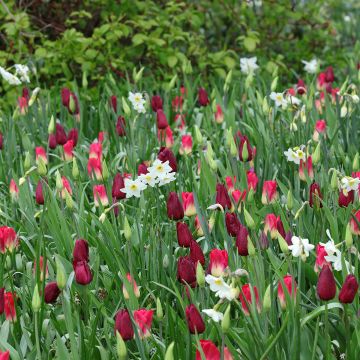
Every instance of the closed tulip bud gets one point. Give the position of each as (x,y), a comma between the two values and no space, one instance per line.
(222,196)
(123,325)
(118,184)
(246,153)
(269,192)
(52,141)
(127,229)
(51,127)
(198,136)
(60,274)
(326,286)
(348,290)
(355,164)
(317,154)
(184,235)
(315,196)
(60,134)
(200,275)
(265,106)
(59,182)
(83,274)
(194,320)
(120,347)
(75,169)
(250,195)
(138,75)
(159,310)
(232,224)
(51,292)
(169,355)
(203,97)
(251,248)
(161,120)
(348,237)
(225,323)
(39,195)
(166,154)
(242,241)
(41,167)
(186,271)
(156,103)
(27,161)
(249,220)
(290,200)
(290,286)
(334,181)
(175,209)
(125,106)
(346,199)
(196,253)
(68,200)
(267,299)
(284,247)
(36,301)
(274,83)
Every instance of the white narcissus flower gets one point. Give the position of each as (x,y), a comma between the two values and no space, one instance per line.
(335,259)
(166,179)
(22,71)
(293,100)
(149,178)
(295,154)
(279,99)
(248,65)
(133,188)
(310,67)
(137,101)
(10,78)
(300,247)
(348,183)
(160,169)
(221,288)
(215,315)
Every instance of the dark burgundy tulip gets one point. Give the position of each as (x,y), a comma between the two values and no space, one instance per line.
(315,194)
(349,290)
(232,224)
(120,126)
(124,325)
(194,320)
(280,228)
(222,196)
(326,286)
(288,237)
(175,209)
(196,253)
(263,241)
(118,184)
(161,120)
(1,141)
(39,194)
(184,235)
(51,292)
(113,102)
(242,241)
(142,169)
(60,134)
(65,96)
(81,251)
(52,141)
(243,140)
(2,300)
(83,275)
(186,271)
(345,201)
(166,154)
(329,74)
(73,135)
(156,103)
(203,97)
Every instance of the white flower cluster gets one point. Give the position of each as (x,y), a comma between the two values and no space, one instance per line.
(221,288)
(284,101)
(348,183)
(21,74)
(311,66)
(300,247)
(160,173)
(295,154)
(248,65)
(137,101)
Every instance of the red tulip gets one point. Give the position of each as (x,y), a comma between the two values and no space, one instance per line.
(188,203)
(245,150)
(269,192)
(83,274)
(5,355)
(219,116)
(184,235)
(186,145)
(68,150)
(329,74)
(166,154)
(354,224)
(8,239)
(124,325)
(161,120)
(2,300)
(209,349)
(60,134)
(113,102)
(143,319)
(222,197)
(121,126)
(218,262)
(326,286)
(51,292)
(300,87)
(315,196)
(271,225)
(9,306)
(174,208)
(203,97)
(118,184)
(73,135)
(133,285)
(309,169)
(40,153)
(196,253)
(346,200)
(194,320)
(252,180)
(156,103)
(246,298)
(142,169)
(169,140)
(242,241)
(95,150)
(66,186)
(232,224)
(320,258)
(94,168)
(320,128)
(39,194)
(52,141)
(290,285)
(348,290)
(100,195)
(44,269)
(81,251)
(186,271)
(70,101)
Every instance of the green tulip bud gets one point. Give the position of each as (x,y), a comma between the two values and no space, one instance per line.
(120,347)
(267,299)
(36,301)
(27,161)
(200,275)
(59,183)
(105,171)
(274,83)
(159,309)
(68,200)
(41,167)
(125,106)
(317,154)
(138,75)
(348,237)
(225,323)
(127,229)
(284,247)
(334,181)
(51,127)
(251,248)
(60,274)
(249,220)
(75,169)
(169,352)
(198,136)
(290,200)
(355,164)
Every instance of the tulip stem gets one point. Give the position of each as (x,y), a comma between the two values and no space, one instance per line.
(327,331)
(347,332)
(222,345)
(38,350)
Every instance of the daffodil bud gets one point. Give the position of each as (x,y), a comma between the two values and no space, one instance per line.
(274,83)
(169,355)
(290,200)
(225,323)
(59,183)
(42,170)
(200,275)
(34,96)
(317,154)
(265,106)
(36,301)
(60,274)
(102,217)
(355,164)
(245,152)
(198,136)
(27,161)
(75,169)
(125,107)
(251,248)
(127,229)
(138,75)
(284,247)
(22,181)
(249,220)
(120,347)
(51,127)
(159,310)
(209,150)
(334,181)
(267,299)
(348,237)
(68,200)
